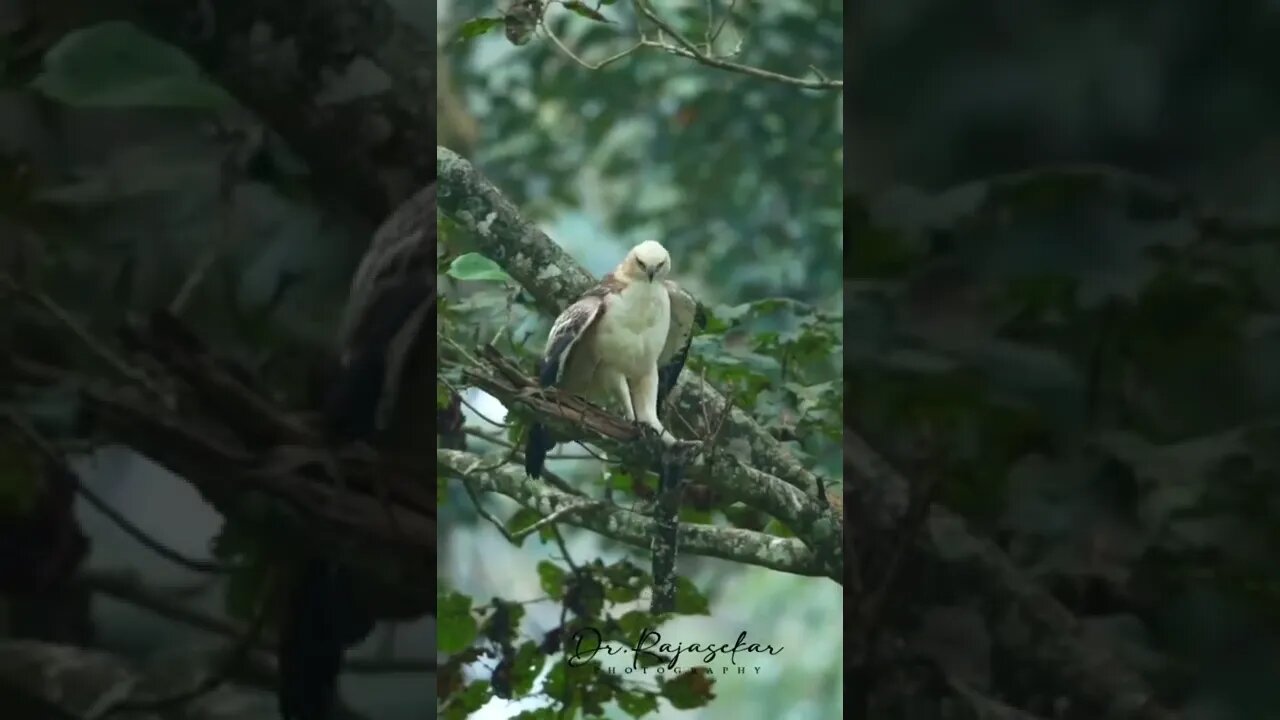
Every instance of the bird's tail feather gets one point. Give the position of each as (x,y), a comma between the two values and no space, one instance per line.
(536,448)
(324,618)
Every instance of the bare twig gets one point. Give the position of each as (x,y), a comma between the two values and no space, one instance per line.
(128,588)
(103,353)
(574,57)
(471,407)
(554,517)
(237,656)
(685,48)
(46,449)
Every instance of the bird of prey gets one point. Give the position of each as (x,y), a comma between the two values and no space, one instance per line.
(383,386)
(627,339)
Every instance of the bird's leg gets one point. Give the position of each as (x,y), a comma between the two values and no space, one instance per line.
(646,405)
(624,391)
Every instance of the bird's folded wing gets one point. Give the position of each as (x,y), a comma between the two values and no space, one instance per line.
(392,295)
(393,274)
(685,315)
(567,334)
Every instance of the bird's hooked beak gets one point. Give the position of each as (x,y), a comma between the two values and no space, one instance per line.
(651,272)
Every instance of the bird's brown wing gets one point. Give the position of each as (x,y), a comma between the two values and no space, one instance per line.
(686,316)
(392,295)
(564,361)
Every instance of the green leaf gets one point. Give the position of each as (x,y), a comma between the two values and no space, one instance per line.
(504,622)
(777,529)
(586,11)
(636,704)
(20,478)
(625,581)
(528,663)
(689,601)
(523,518)
(463,704)
(634,622)
(457,628)
(475,27)
(114,64)
(477,268)
(689,690)
(245,587)
(551,577)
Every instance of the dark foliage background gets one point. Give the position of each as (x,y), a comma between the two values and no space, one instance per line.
(1063,261)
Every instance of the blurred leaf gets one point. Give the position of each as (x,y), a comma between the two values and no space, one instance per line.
(456,628)
(476,27)
(689,601)
(636,704)
(522,519)
(625,581)
(586,11)
(114,64)
(21,473)
(463,704)
(635,622)
(690,689)
(245,586)
(477,268)
(528,663)
(552,579)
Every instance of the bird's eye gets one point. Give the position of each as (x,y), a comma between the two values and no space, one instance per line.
(642,265)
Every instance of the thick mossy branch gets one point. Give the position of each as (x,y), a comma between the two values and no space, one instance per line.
(574,418)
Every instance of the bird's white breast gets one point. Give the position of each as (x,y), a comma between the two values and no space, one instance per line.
(634,328)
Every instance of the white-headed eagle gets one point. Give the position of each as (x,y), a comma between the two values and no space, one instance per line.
(627,339)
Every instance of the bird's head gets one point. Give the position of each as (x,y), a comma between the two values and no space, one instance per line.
(647,261)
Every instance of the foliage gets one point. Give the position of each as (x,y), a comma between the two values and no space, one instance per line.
(1094,361)
(656,143)
(127,230)
(593,600)
(115,65)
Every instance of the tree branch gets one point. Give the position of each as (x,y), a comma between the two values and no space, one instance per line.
(573,418)
(129,588)
(686,48)
(742,546)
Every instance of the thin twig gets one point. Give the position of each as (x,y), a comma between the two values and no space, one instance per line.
(46,449)
(590,66)
(473,408)
(727,14)
(480,510)
(503,442)
(236,657)
(64,318)
(554,517)
(685,48)
(128,588)
(564,549)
